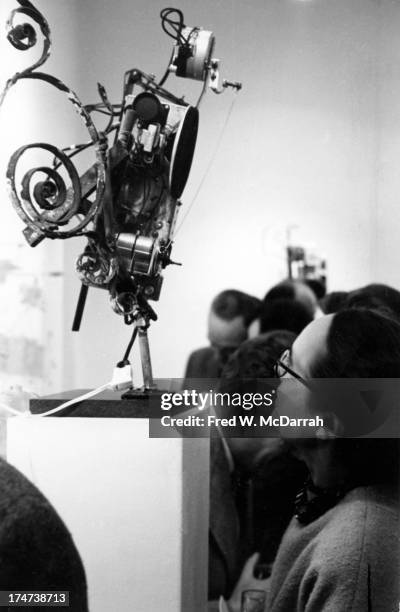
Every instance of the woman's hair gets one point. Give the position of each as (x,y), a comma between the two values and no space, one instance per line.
(364,344)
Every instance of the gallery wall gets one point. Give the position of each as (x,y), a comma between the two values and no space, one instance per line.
(32,280)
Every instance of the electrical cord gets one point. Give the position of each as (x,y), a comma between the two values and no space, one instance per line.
(167,70)
(129,347)
(171,27)
(121,380)
(73,401)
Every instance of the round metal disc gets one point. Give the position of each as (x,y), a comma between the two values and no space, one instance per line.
(182,152)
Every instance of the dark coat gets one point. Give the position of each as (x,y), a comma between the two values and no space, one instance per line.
(224,525)
(37,552)
(203,363)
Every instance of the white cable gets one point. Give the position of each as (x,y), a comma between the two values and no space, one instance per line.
(75,400)
(121,379)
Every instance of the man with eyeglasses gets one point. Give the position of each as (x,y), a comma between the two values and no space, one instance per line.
(341,550)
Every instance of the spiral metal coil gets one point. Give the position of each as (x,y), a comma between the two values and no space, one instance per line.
(49,204)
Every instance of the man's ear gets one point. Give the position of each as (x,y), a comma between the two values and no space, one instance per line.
(254,329)
(332,427)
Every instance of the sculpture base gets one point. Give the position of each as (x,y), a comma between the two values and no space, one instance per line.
(137,507)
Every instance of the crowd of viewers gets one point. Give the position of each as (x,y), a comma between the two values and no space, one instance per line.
(312,521)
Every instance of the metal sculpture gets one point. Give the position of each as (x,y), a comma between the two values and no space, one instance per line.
(126,203)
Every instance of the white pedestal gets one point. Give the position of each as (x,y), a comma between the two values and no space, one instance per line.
(137,508)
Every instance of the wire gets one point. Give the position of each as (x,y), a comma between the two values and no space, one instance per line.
(79,148)
(129,347)
(104,112)
(171,27)
(121,379)
(203,91)
(210,163)
(167,70)
(73,401)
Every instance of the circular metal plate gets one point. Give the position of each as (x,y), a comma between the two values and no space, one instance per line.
(182,152)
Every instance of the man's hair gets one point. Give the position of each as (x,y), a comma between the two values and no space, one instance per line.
(292,290)
(376,296)
(256,358)
(317,286)
(284,314)
(285,290)
(334,301)
(363,343)
(231,303)
(246,368)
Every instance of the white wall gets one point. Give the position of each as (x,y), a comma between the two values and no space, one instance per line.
(31,280)
(311,141)
(388,175)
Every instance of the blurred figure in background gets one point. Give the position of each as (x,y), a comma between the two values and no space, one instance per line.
(253,481)
(265,473)
(376,296)
(291,315)
(230,316)
(317,286)
(333,302)
(294,290)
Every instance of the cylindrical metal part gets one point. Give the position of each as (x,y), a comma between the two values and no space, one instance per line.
(137,252)
(144,254)
(145,358)
(126,246)
(202,43)
(127,123)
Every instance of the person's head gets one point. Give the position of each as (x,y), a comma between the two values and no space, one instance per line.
(353,343)
(284,314)
(293,290)
(376,296)
(333,302)
(317,286)
(254,359)
(230,315)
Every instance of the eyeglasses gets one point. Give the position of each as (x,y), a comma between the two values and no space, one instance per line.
(281,368)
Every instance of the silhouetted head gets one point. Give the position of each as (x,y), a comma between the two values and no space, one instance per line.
(243,374)
(293,290)
(230,315)
(288,314)
(376,296)
(333,302)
